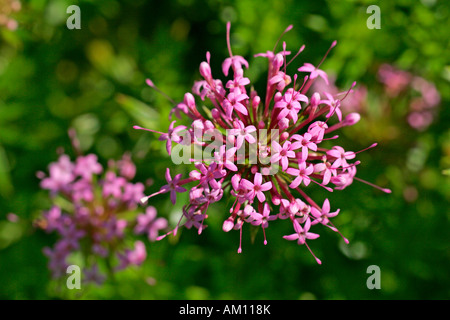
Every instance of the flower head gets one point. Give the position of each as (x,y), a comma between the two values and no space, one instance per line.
(100,211)
(267,148)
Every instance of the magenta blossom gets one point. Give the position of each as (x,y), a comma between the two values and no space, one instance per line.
(94,211)
(172,186)
(264,150)
(282,153)
(302,234)
(256,188)
(262,219)
(150,224)
(323,216)
(314,72)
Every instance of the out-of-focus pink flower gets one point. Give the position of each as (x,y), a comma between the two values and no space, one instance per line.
(97,215)
(61,175)
(395,80)
(150,224)
(135,256)
(7,10)
(425,96)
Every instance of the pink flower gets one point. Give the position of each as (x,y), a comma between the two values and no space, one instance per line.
(208,175)
(133,257)
(345,178)
(91,222)
(86,166)
(282,153)
(290,104)
(263,219)
(61,174)
(327,170)
(172,186)
(226,157)
(242,133)
(238,82)
(341,156)
(302,174)
(301,235)
(234,101)
(127,168)
(113,185)
(281,80)
(172,135)
(304,142)
(334,105)
(236,62)
(195,219)
(274,127)
(322,216)
(150,224)
(256,188)
(317,130)
(314,72)
(132,194)
(394,79)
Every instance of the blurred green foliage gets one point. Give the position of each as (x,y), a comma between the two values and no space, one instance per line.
(93,79)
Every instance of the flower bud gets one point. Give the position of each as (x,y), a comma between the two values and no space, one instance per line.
(283,123)
(277,97)
(205,70)
(276,200)
(189,100)
(209,125)
(278,61)
(315,99)
(352,118)
(215,113)
(284,135)
(228,224)
(256,101)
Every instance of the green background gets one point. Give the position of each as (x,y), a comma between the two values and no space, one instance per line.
(93,79)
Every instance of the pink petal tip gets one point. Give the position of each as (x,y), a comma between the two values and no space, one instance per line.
(150,83)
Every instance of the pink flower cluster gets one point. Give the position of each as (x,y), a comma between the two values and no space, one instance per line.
(93,210)
(7,8)
(425,97)
(302,148)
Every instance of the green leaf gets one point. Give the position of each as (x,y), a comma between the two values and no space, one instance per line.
(139,111)
(6,187)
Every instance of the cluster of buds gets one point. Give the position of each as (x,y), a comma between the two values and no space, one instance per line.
(93,211)
(263,151)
